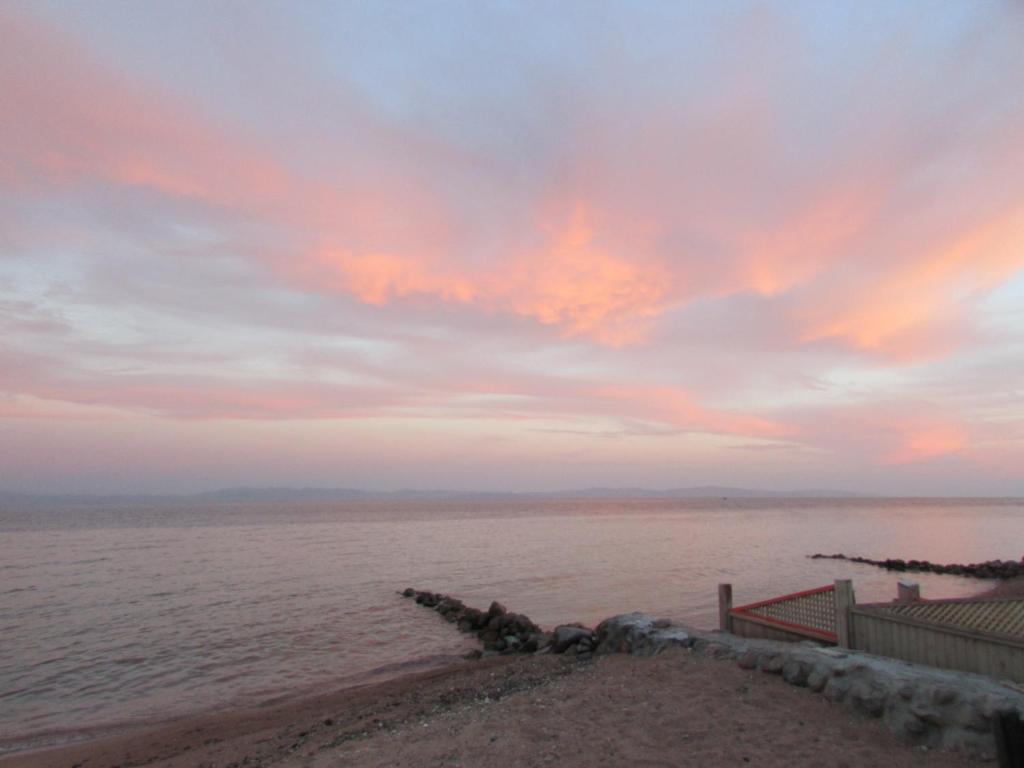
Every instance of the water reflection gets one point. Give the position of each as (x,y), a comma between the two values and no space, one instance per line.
(111,613)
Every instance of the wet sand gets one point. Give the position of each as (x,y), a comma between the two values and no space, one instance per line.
(676,709)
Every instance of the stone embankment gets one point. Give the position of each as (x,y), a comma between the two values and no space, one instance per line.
(930,707)
(926,706)
(990,569)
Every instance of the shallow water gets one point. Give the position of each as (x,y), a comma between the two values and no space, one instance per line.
(124,613)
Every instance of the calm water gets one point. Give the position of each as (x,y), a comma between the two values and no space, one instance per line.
(116,615)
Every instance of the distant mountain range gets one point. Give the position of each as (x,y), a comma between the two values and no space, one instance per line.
(347,494)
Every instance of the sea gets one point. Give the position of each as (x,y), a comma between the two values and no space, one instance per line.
(117,615)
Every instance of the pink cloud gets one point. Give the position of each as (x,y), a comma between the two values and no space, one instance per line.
(590,264)
(927,441)
(866,245)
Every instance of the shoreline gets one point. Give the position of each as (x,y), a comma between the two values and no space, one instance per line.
(673,708)
(157,741)
(56,739)
(282,729)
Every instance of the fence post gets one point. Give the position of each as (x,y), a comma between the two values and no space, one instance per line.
(908,591)
(844,602)
(724,606)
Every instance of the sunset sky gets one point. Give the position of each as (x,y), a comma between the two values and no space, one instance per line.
(512,246)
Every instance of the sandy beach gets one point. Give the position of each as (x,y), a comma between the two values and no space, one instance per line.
(676,709)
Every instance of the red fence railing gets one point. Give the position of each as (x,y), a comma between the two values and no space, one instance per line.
(811,613)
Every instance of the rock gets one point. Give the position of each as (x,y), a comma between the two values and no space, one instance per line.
(512,642)
(911,726)
(496,609)
(476,653)
(636,634)
(621,634)
(488,635)
(449,606)
(521,625)
(408,592)
(817,679)
(943,696)
(428,599)
(867,698)
(568,635)
(538,641)
(662,623)
(748,659)
(991,569)
(926,712)
(836,689)
(794,673)
(973,719)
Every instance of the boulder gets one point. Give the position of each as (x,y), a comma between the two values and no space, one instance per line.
(637,634)
(620,634)
(568,635)
(474,617)
(449,606)
(747,660)
(795,673)
(488,635)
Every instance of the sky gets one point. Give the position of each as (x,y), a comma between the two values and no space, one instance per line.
(512,245)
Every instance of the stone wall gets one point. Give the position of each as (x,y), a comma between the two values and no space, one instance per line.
(924,705)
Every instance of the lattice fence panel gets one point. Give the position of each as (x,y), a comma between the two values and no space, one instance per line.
(814,609)
(1002,617)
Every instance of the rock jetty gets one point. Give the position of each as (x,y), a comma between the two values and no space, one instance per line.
(990,569)
(501,631)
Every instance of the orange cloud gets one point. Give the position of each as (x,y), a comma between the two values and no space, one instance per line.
(378,278)
(920,443)
(571,282)
(904,312)
(804,244)
(584,289)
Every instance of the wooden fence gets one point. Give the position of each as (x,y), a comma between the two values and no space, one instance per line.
(885,630)
(973,635)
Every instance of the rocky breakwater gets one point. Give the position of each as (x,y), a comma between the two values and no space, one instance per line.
(501,631)
(990,569)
